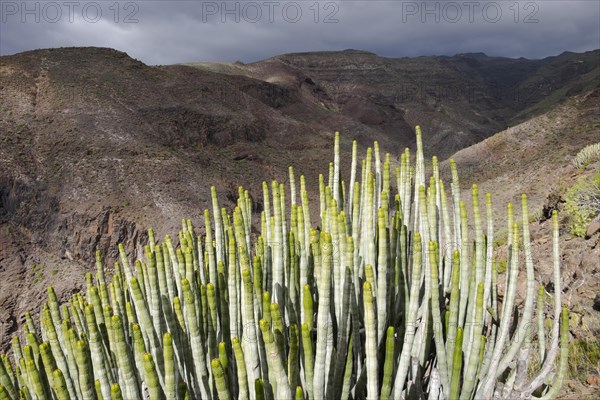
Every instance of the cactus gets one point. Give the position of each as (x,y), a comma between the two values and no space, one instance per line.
(393,297)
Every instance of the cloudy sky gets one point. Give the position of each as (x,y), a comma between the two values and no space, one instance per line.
(166,32)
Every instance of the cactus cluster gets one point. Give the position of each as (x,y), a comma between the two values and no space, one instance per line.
(394,296)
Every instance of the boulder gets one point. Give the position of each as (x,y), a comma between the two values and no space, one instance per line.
(593,228)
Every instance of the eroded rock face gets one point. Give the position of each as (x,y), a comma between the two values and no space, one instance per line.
(80,235)
(56,252)
(45,243)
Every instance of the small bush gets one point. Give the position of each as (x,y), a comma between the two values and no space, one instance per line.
(587,155)
(501,238)
(501,266)
(536,216)
(584,359)
(582,203)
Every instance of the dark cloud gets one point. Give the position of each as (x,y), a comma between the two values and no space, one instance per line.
(165,32)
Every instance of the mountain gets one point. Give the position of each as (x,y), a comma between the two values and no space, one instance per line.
(95,146)
(533,157)
(458,100)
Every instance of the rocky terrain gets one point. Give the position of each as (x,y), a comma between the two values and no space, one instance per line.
(458,100)
(95,147)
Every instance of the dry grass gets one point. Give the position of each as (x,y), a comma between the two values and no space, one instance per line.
(587,155)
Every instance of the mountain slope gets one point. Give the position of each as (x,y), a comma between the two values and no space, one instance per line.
(533,157)
(460,100)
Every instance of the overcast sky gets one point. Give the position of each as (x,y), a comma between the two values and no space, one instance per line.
(166,32)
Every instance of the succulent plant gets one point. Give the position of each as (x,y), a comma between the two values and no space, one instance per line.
(395,296)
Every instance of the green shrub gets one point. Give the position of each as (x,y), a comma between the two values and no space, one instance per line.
(501,265)
(587,155)
(582,203)
(501,237)
(584,359)
(536,216)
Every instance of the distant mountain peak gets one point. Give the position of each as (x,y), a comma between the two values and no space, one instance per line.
(326,53)
(472,55)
